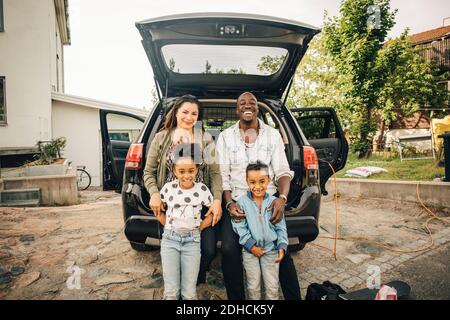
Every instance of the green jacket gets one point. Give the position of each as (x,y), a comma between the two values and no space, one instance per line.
(155,166)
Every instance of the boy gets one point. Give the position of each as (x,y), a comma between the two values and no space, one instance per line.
(180,244)
(264,243)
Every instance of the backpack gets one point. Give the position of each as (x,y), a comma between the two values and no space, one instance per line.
(325,291)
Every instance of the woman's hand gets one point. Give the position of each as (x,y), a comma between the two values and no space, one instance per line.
(216,210)
(156,204)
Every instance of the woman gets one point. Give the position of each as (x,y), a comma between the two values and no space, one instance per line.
(179,128)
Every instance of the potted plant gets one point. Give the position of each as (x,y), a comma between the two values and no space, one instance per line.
(49,160)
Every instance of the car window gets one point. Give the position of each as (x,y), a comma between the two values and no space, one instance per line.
(316,124)
(220,59)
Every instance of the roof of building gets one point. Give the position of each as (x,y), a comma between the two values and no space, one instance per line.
(62,16)
(96,104)
(430,35)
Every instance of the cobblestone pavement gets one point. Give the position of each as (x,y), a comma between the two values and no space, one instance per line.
(80,252)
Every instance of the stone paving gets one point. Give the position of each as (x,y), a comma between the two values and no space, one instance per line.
(80,252)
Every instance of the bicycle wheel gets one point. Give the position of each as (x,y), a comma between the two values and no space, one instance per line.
(83,179)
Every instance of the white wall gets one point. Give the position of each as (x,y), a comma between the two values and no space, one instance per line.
(81,128)
(28,54)
(120,123)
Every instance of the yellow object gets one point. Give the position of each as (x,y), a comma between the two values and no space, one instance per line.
(439,126)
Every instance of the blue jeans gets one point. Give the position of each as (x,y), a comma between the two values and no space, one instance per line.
(264,267)
(180,256)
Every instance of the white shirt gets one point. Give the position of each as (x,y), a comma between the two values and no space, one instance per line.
(235,155)
(184,206)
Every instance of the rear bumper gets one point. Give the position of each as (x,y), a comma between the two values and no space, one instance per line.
(146,229)
(142,227)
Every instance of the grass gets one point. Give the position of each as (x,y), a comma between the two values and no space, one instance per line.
(422,170)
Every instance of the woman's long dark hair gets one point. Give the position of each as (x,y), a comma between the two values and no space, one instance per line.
(171,119)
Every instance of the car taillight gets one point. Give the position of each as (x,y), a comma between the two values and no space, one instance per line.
(310,161)
(134,156)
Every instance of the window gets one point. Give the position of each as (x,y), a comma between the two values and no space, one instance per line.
(2,27)
(2,101)
(316,124)
(119,136)
(218,59)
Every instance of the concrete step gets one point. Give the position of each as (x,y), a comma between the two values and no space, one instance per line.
(20,196)
(21,203)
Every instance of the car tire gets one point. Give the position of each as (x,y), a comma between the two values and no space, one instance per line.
(297,247)
(142,247)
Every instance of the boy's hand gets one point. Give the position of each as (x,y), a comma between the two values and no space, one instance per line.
(280,257)
(257,251)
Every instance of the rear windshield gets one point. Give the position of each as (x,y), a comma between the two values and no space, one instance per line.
(220,59)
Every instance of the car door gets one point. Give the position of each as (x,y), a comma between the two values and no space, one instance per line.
(323,130)
(118,131)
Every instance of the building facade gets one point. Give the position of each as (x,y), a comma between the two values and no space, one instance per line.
(32,38)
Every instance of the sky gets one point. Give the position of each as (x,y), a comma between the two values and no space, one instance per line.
(106,60)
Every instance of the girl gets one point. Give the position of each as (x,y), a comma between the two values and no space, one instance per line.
(180,245)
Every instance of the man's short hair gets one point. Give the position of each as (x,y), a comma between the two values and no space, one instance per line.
(257,166)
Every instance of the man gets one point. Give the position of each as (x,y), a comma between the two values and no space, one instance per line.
(248,141)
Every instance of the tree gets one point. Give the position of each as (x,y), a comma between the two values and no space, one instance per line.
(354,41)
(316,82)
(412,84)
(207,67)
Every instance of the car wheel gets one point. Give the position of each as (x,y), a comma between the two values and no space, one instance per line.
(296,247)
(142,247)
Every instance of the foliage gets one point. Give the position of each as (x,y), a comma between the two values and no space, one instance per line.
(412,84)
(49,151)
(354,41)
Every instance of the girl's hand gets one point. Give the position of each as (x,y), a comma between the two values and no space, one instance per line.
(162,218)
(206,223)
(280,257)
(156,204)
(216,211)
(257,251)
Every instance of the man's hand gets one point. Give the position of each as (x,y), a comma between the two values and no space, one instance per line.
(278,210)
(257,251)
(237,214)
(280,257)
(216,211)
(156,204)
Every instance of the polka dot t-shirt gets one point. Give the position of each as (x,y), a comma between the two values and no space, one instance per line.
(184,205)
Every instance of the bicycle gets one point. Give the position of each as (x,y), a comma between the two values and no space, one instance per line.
(83,178)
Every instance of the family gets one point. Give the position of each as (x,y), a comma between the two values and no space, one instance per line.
(188,176)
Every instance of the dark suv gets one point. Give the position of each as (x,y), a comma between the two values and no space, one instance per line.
(216,57)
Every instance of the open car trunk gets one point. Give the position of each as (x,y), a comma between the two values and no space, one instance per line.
(224,54)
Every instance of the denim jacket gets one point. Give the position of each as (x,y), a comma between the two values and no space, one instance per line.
(263,233)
